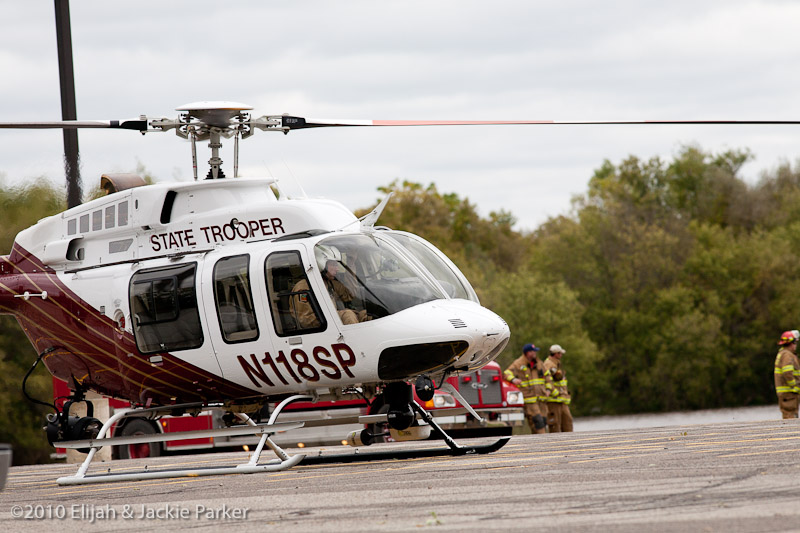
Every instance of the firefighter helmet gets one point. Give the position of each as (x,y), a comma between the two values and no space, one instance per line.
(787,337)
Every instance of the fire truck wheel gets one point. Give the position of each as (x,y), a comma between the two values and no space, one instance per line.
(138,451)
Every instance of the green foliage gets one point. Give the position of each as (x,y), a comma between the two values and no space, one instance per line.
(23,206)
(687,274)
(549,313)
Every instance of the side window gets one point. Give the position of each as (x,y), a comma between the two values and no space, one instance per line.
(110,216)
(294,308)
(122,214)
(164,309)
(97,220)
(234,299)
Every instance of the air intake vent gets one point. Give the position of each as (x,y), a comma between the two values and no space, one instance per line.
(457,323)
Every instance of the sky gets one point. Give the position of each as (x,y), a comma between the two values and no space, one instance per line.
(409,60)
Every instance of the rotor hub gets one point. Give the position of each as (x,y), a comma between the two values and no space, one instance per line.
(215,114)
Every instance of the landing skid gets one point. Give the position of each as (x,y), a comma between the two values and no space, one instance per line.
(453,448)
(283,462)
(405,454)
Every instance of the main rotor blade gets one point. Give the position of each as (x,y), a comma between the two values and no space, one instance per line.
(131,124)
(295,123)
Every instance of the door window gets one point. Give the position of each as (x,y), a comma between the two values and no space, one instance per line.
(234,299)
(164,309)
(294,307)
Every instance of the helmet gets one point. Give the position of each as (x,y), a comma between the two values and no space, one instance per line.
(787,337)
(326,253)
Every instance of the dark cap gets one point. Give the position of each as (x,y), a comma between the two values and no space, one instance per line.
(529,348)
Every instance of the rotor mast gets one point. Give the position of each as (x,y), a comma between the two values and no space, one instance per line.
(211,121)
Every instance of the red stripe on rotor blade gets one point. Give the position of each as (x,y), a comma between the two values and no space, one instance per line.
(571,122)
(455,122)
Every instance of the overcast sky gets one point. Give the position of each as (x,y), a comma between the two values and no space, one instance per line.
(502,60)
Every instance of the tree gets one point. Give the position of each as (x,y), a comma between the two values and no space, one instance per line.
(547,313)
(685,272)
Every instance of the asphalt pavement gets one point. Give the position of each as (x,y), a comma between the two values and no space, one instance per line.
(732,477)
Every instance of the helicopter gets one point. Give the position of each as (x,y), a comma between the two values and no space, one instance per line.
(228,293)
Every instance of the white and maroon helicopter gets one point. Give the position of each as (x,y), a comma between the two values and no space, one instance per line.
(220,292)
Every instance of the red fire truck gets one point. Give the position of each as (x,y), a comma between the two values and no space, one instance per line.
(497,401)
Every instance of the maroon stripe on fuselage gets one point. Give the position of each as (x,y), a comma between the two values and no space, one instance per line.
(90,348)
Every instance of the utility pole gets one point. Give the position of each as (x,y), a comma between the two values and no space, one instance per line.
(69,111)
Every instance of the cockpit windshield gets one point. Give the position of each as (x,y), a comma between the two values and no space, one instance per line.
(436,265)
(377,279)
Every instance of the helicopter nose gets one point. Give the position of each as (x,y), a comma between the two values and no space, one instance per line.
(457,334)
(490,337)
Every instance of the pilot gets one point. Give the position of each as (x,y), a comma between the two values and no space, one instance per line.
(787,372)
(559,417)
(352,277)
(527,373)
(339,294)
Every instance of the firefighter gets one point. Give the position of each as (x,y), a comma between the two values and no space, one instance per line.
(787,373)
(526,372)
(559,417)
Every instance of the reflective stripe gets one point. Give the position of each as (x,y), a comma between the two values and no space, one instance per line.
(787,368)
(532,382)
(783,389)
(532,399)
(559,399)
(562,383)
